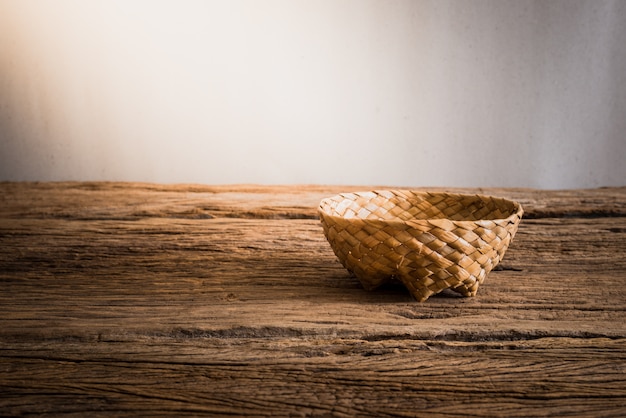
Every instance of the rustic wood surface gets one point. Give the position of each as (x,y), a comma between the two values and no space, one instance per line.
(132,299)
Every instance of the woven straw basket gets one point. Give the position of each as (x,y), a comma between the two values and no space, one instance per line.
(429,241)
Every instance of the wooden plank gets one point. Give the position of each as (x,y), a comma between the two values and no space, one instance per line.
(130,201)
(547,377)
(144,267)
(134,299)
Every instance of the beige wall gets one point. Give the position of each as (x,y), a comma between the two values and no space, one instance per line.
(407,93)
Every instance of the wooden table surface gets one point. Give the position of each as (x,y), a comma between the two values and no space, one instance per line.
(131,299)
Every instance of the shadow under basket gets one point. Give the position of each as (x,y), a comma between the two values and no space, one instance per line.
(428,241)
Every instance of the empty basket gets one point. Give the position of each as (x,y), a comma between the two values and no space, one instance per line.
(429,241)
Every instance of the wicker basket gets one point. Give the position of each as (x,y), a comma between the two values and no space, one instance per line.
(429,241)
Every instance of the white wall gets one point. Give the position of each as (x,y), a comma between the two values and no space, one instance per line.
(406,93)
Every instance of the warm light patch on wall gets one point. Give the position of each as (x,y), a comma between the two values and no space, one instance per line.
(181,91)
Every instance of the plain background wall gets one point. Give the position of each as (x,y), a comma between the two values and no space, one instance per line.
(408,93)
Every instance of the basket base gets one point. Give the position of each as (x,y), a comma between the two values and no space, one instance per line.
(424,287)
(421,291)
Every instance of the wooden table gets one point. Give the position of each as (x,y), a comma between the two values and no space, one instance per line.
(134,299)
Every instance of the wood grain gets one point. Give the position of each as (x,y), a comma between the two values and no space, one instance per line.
(134,299)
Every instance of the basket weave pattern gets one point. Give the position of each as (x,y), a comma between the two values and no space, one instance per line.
(429,241)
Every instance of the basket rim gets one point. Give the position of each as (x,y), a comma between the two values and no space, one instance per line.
(516,213)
